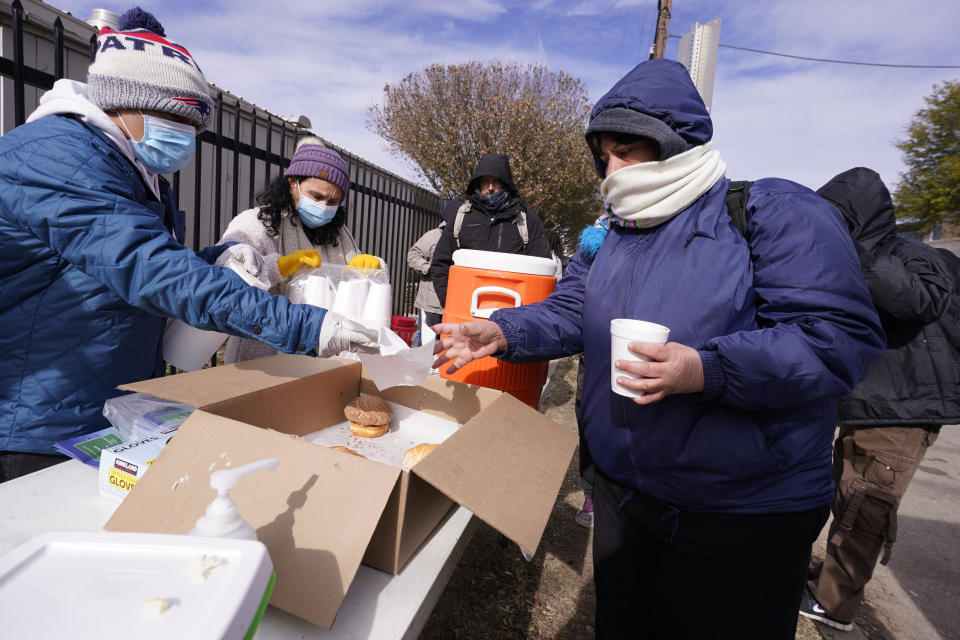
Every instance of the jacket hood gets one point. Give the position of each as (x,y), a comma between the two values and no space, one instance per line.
(496,165)
(865,203)
(661,89)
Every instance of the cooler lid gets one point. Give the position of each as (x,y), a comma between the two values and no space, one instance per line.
(496,261)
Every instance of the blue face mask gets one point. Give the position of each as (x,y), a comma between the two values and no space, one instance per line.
(312,213)
(166,146)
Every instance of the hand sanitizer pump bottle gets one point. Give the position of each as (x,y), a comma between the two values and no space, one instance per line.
(222,520)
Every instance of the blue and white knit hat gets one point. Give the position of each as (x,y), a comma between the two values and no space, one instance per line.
(138,68)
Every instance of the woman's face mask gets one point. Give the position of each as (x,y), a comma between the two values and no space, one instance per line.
(166,146)
(312,213)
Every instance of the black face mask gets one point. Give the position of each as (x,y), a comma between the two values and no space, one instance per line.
(495,201)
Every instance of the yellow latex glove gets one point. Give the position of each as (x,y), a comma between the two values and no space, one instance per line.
(290,263)
(365,261)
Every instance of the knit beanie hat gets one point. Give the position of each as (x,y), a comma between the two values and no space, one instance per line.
(138,68)
(318,161)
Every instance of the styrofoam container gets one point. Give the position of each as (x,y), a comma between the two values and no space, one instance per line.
(91,585)
(497,261)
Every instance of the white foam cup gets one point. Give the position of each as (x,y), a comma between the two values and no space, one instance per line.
(351,295)
(377,307)
(189,348)
(623,331)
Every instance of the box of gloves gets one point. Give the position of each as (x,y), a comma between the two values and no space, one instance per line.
(122,466)
(325,512)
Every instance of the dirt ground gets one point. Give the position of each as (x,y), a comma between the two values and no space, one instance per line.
(495,593)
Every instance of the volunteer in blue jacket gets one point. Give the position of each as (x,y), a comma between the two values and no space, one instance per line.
(91,253)
(713,484)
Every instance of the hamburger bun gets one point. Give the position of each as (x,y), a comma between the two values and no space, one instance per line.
(368,410)
(413,455)
(368,431)
(346,450)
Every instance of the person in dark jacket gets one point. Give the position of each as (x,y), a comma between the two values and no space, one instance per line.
(91,255)
(710,486)
(419,257)
(893,416)
(493,218)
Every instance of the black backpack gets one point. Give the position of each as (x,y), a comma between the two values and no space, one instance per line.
(737,194)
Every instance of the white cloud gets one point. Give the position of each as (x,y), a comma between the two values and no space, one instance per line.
(478,10)
(807,121)
(810,125)
(773,116)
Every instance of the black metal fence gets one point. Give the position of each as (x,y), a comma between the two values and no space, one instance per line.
(239,155)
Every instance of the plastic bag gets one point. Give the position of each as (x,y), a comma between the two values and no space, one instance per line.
(361,294)
(138,415)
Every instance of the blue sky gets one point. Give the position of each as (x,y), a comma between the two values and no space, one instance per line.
(800,120)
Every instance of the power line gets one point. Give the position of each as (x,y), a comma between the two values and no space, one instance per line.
(864,64)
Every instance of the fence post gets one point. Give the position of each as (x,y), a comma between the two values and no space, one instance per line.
(218,169)
(58,48)
(176,190)
(236,158)
(19,109)
(266,178)
(218,183)
(198,159)
(253,153)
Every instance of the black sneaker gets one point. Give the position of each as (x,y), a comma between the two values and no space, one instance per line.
(810,608)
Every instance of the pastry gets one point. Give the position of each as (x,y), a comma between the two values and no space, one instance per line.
(413,455)
(369,416)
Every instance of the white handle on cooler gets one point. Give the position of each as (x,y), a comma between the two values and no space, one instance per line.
(486,313)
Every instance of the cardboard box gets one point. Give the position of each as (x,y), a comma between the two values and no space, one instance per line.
(123,465)
(324,512)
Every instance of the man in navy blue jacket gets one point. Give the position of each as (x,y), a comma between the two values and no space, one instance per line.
(713,483)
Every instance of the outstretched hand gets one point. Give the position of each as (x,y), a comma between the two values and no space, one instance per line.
(467,341)
(673,368)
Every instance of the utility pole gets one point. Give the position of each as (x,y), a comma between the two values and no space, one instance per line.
(663,22)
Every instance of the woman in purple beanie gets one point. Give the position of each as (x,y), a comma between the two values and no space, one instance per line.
(300,220)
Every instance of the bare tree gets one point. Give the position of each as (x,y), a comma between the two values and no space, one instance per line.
(441,120)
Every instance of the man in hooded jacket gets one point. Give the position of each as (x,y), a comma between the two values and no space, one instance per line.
(711,485)
(497,219)
(893,416)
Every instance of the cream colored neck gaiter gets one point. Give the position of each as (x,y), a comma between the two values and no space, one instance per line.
(650,193)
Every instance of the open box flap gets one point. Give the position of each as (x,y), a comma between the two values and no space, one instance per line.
(316,514)
(206,386)
(506,465)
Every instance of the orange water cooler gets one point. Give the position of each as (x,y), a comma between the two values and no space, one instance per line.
(480,282)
